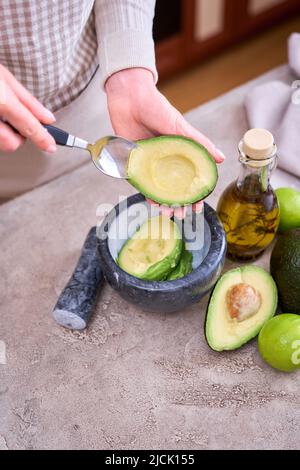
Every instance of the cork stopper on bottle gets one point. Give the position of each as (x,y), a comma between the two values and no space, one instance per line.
(258,144)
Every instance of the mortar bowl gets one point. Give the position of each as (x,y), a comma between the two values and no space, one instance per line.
(161,296)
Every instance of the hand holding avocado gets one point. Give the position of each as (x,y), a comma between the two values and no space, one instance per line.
(172,170)
(139,111)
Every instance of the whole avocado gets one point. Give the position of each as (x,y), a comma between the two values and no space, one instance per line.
(285,269)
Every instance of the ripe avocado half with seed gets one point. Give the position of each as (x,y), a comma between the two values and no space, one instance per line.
(242,301)
(172,170)
(153,251)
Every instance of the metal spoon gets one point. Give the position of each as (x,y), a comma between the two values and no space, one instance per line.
(109,154)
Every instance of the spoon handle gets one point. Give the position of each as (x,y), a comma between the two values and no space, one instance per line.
(60,136)
(64,138)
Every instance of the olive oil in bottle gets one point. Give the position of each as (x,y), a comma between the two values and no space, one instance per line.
(248,207)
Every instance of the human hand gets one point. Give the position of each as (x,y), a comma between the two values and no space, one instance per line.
(25,113)
(138,111)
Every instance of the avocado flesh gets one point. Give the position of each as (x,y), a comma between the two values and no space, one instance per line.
(153,251)
(183,268)
(172,170)
(285,268)
(226,333)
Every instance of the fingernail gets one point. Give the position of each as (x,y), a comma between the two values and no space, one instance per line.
(51,149)
(50,115)
(153,203)
(166,210)
(180,213)
(221,154)
(198,207)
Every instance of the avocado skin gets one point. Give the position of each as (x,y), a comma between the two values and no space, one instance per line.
(285,269)
(183,268)
(158,271)
(206,317)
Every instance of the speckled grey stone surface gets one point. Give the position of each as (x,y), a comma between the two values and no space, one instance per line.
(132,379)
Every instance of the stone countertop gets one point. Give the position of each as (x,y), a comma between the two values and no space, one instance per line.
(132,380)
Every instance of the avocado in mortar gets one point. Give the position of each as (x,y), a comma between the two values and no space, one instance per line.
(153,251)
(183,268)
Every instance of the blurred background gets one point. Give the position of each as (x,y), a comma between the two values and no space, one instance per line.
(206,47)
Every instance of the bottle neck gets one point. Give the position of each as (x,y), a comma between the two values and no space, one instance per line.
(254,177)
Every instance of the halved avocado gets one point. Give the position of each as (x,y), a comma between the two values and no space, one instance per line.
(153,251)
(172,170)
(183,268)
(242,301)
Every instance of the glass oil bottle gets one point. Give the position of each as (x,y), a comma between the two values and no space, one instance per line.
(248,207)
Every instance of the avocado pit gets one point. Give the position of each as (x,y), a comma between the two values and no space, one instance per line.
(243,301)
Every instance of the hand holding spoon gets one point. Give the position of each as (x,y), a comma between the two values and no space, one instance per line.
(109,154)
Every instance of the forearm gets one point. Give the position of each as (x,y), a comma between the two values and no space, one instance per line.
(124,31)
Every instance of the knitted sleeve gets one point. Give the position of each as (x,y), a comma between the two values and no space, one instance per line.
(124,33)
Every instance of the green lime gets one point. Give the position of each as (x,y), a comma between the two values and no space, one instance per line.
(279,342)
(289,204)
